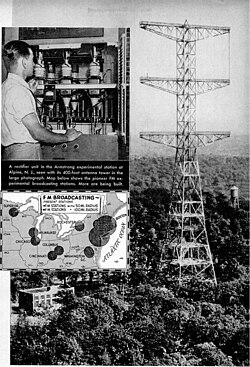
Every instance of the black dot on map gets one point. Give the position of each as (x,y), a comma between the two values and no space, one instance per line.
(13,212)
(59,250)
(79,226)
(33,232)
(89,252)
(52,255)
(35,240)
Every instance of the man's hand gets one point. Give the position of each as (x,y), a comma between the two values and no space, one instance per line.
(33,83)
(72,134)
(41,134)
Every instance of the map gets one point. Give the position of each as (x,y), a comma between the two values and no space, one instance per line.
(65,230)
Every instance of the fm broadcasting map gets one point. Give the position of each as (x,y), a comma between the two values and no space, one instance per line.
(65,230)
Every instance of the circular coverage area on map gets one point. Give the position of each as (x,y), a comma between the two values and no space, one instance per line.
(36,235)
(103,228)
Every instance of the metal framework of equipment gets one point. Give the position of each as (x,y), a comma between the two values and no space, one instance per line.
(186,232)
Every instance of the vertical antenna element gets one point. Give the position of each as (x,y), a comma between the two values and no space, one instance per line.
(186,232)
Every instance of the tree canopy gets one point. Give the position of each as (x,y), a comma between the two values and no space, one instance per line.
(144,317)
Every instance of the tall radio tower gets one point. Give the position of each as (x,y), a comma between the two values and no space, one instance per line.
(186,232)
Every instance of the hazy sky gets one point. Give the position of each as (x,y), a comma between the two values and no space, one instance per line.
(224,109)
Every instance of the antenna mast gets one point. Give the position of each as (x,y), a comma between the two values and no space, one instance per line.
(186,232)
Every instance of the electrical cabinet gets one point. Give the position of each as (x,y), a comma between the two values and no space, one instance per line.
(83,83)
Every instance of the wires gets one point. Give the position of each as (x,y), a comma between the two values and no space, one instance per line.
(229,56)
(41,103)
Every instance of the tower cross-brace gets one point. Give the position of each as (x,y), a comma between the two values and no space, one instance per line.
(186,232)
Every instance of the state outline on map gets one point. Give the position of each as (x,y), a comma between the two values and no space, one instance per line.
(94,238)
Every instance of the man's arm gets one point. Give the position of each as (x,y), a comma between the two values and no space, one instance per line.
(40,133)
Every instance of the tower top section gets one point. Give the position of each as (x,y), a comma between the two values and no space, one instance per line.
(183,32)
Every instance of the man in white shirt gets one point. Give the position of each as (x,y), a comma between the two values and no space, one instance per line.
(20,126)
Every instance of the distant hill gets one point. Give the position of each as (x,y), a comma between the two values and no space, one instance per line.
(218,173)
(236,145)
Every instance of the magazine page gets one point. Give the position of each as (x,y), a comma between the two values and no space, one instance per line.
(124,183)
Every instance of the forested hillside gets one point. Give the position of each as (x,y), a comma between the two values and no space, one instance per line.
(144,317)
(217,173)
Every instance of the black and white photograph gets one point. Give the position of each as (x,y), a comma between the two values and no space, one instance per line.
(154,96)
(65,94)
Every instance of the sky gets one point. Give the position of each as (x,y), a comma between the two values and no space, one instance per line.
(150,109)
(217,57)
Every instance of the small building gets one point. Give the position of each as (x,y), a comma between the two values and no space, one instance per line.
(33,299)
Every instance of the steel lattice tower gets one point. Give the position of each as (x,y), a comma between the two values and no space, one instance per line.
(186,233)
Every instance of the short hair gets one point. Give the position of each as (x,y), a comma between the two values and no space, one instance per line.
(13,50)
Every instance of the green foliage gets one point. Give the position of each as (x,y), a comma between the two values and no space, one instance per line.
(29,343)
(212,356)
(158,326)
(145,317)
(25,279)
(218,173)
